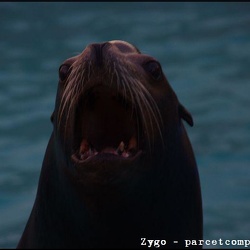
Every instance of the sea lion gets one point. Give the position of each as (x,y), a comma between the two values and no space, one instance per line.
(119,167)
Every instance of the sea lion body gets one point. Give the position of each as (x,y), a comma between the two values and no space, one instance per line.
(119,165)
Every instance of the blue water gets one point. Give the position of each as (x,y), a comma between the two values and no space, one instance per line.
(204,49)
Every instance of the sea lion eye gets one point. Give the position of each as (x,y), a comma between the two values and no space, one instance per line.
(63,71)
(154,68)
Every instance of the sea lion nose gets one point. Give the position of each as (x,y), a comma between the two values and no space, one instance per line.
(98,49)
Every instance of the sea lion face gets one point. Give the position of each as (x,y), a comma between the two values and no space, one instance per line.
(114,109)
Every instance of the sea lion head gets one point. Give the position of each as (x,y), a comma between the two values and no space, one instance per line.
(115,112)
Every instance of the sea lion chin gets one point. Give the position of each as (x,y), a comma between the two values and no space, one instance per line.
(119,165)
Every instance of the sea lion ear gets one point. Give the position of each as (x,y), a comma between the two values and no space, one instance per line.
(186,115)
(52,117)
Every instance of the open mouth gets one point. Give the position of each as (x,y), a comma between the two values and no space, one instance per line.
(106,128)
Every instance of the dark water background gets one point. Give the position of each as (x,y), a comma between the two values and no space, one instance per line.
(204,49)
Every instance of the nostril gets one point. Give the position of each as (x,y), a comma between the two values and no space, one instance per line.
(105,44)
(98,48)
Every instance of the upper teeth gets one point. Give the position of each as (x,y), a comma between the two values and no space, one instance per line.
(84,146)
(132,143)
(120,148)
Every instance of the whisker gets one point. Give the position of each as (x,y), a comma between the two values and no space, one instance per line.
(124,79)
